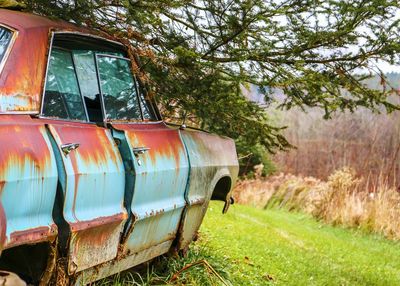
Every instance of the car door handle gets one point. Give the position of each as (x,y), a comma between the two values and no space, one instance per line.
(139,150)
(68,147)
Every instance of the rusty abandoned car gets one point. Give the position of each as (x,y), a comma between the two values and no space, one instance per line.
(92,180)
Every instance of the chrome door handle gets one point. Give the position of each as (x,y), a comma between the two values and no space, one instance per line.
(139,150)
(68,147)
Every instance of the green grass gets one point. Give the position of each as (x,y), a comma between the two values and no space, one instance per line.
(251,246)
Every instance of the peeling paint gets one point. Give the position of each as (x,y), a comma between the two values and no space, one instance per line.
(93,191)
(27,172)
(160,184)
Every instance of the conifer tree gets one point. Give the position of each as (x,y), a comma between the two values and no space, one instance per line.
(195,56)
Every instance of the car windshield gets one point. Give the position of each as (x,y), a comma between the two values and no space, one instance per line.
(5,38)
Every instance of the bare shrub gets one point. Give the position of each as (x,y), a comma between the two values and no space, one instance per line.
(367,142)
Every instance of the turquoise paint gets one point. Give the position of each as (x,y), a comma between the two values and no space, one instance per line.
(29,190)
(158,196)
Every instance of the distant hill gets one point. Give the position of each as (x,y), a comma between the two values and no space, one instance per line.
(392,81)
(253,92)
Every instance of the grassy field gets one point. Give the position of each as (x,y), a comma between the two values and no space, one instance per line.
(251,246)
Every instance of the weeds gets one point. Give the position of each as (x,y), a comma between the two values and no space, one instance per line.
(168,270)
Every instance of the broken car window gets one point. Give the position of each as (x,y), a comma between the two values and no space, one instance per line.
(118,88)
(62,97)
(87,76)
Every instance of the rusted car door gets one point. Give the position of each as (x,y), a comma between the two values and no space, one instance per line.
(160,163)
(160,175)
(91,171)
(28,180)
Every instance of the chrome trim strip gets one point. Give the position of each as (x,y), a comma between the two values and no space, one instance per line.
(10,45)
(137,92)
(19,113)
(134,122)
(187,127)
(64,119)
(79,85)
(89,35)
(113,56)
(103,106)
(45,76)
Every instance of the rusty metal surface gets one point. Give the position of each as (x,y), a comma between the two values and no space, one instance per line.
(160,183)
(22,78)
(93,180)
(211,158)
(109,268)
(28,182)
(95,244)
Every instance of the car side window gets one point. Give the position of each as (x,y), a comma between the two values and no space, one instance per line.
(62,97)
(92,80)
(118,88)
(5,38)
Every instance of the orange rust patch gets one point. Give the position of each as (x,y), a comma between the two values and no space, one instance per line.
(97,151)
(22,143)
(33,235)
(22,146)
(95,147)
(98,235)
(95,223)
(162,141)
(24,72)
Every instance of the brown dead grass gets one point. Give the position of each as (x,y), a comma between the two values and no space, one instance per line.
(341,200)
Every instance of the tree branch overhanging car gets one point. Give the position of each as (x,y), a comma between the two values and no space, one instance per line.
(92,181)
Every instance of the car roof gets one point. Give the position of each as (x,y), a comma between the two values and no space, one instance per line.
(23,69)
(27,21)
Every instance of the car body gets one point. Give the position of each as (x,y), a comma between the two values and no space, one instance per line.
(92,180)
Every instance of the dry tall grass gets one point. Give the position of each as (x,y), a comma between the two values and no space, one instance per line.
(341,200)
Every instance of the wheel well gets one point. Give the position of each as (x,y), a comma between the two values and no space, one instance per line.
(222,188)
(29,262)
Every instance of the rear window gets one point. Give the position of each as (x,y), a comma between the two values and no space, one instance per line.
(5,38)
